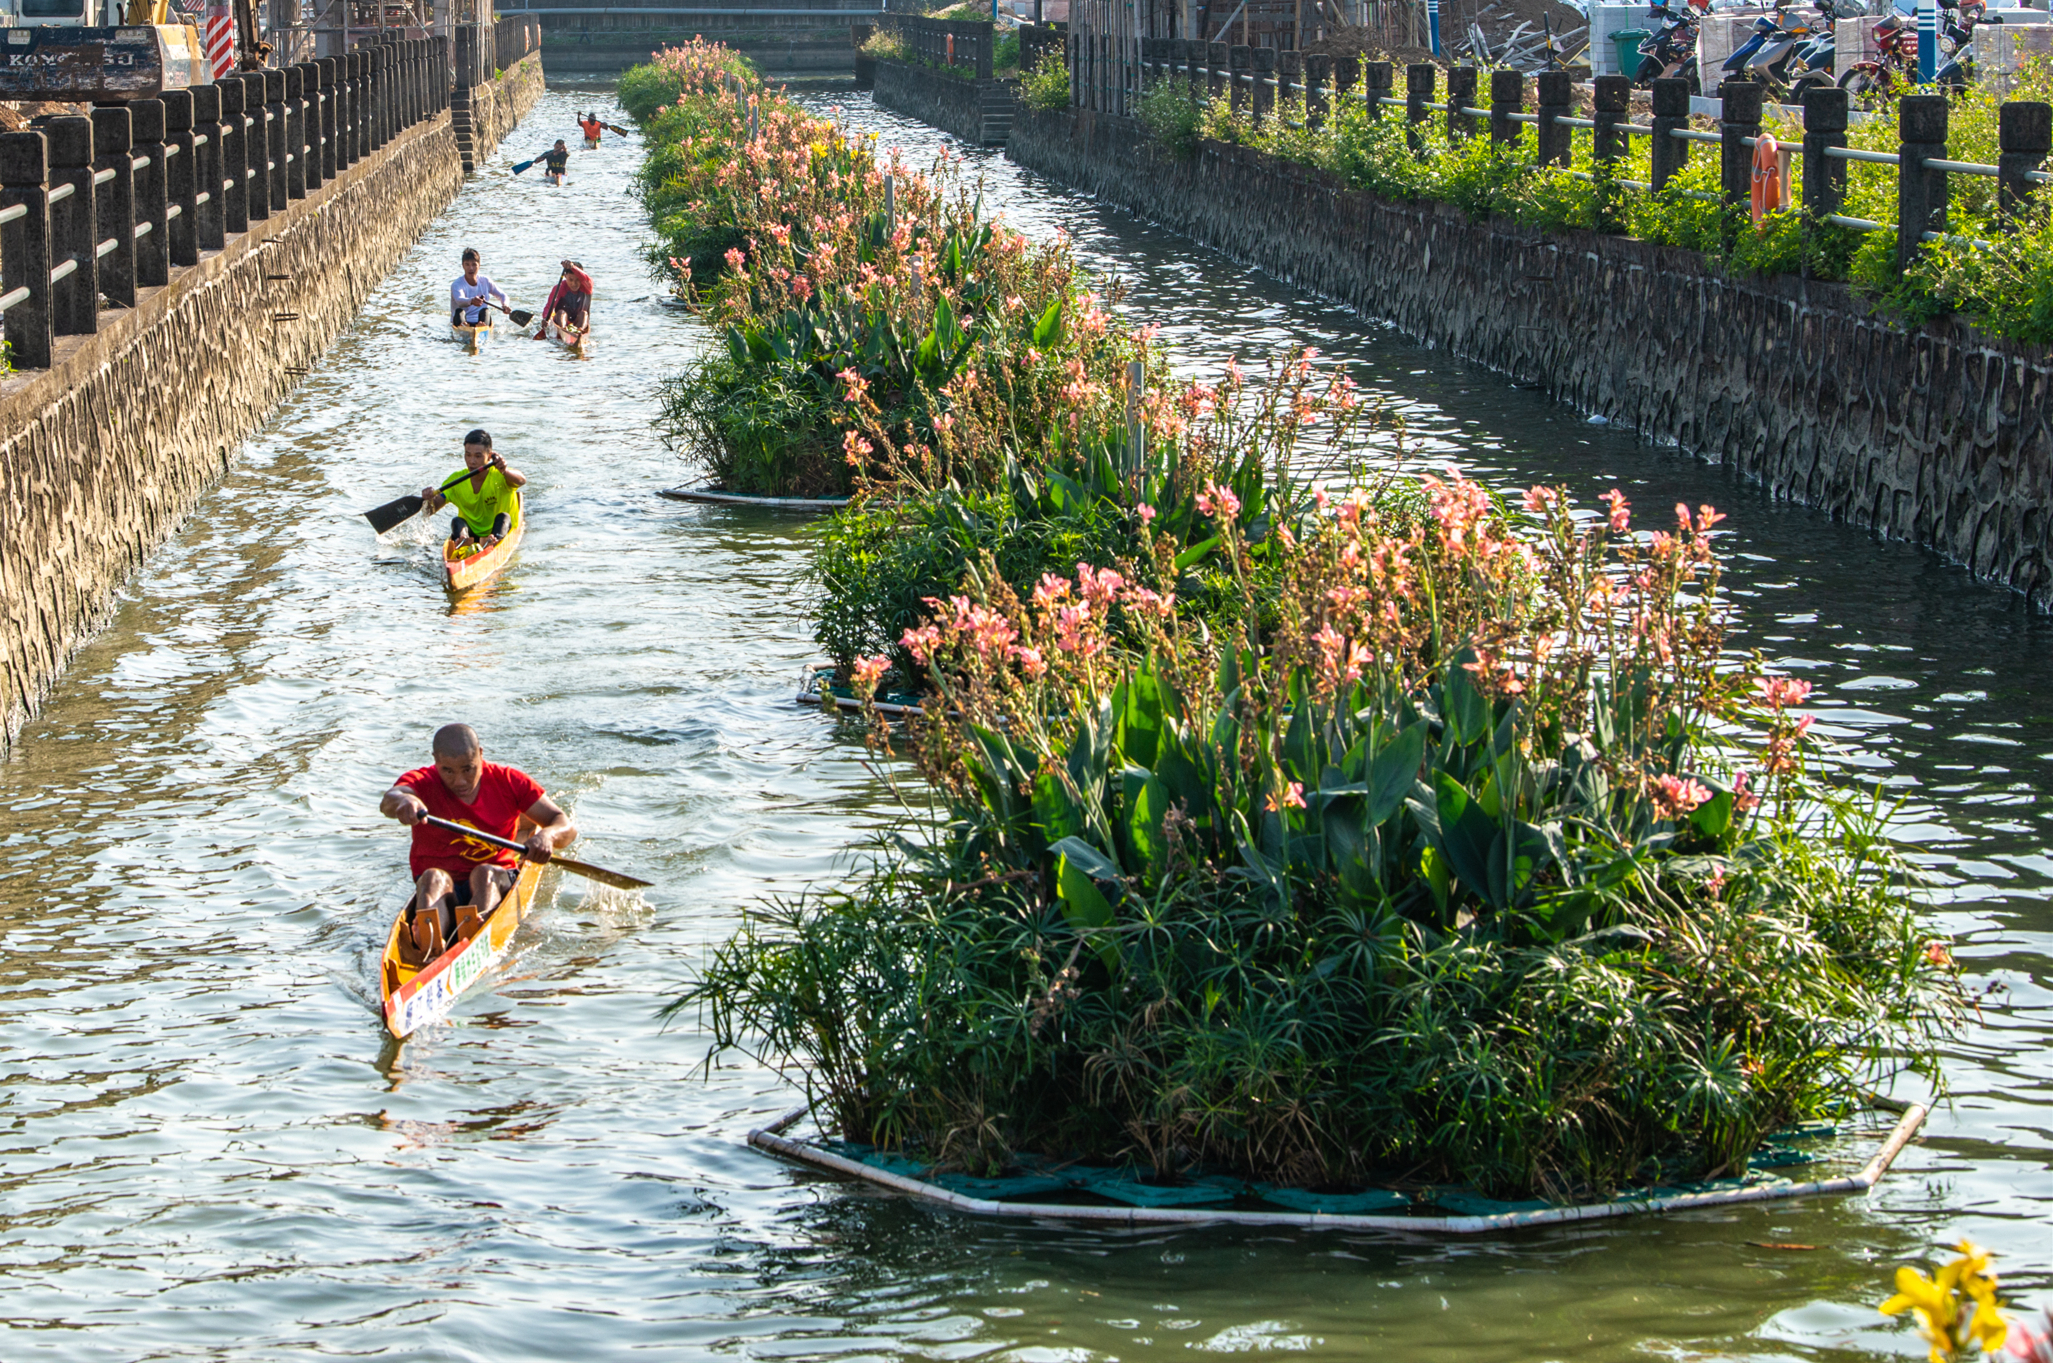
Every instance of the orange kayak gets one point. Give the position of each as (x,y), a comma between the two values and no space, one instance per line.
(414,994)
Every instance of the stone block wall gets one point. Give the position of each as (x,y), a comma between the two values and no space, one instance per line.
(1940,435)
(103,454)
(954,106)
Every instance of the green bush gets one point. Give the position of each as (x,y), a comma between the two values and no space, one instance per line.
(1171,117)
(1045,85)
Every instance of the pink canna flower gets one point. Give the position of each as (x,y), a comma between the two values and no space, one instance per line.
(1030,661)
(734,258)
(1292,796)
(1620,518)
(1779,693)
(1145,512)
(868,672)
(1675,796)
(1051,591)
(921,643)
(1099,588)
(1219,502)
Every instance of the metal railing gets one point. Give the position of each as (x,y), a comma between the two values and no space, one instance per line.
(102,206)
(1258,81)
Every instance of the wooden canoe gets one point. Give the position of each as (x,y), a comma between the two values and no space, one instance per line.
(574,342)
(415,995)
(462,574)
(472,337)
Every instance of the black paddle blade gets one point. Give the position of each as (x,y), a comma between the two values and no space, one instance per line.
(524,165)
(383,518)
(520,319)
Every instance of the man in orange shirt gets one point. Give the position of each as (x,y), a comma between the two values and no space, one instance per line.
(592,126)
(458,880)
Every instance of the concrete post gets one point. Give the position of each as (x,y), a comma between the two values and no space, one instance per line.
(1671,111)
(1318,80)
(1243,61)
(25,247)
(234,159)
(1419,79)
(181,177)
(1261,93)
(1920,191)
(1191,53)
(1507,97)
(296,134)
(2024,134)
(1289,76)
(152,193)
(74,234)
(1347,73)
(212,225)
(1824,126)
(1216,67)
(316,117)
(360,105)
(1553,105)
(1739,121)
(115,209)
(1461,94)
(280,137)
(983,45)
(257,146)
(1613,103)
(324,77)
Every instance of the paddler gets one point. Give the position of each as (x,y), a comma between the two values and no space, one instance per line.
(569,308)
(483,501)
(458,880)
(470,292)
(554,162)
(592,126)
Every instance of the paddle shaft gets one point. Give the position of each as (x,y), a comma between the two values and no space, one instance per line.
(582,868)
(383,518)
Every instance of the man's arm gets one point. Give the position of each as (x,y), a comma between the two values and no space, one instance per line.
(513,476)
(500,294)
(402,804)
(556,830)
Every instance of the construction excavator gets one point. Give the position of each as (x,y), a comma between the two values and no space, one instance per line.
(107,51)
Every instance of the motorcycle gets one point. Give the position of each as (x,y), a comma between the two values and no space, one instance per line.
(1895,68)
(1671,49)
(1812,64)
(1766,55)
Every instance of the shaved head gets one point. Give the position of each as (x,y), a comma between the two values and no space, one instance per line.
(457,740)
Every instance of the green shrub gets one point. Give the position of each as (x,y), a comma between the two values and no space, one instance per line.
(1171,118)
(1045,85)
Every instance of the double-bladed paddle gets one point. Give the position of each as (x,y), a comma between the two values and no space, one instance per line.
(614,128)
(383,518)
(576,868)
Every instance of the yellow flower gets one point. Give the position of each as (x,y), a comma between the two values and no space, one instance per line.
(1942,1304)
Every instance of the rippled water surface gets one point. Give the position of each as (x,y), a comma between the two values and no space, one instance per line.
(208,1149)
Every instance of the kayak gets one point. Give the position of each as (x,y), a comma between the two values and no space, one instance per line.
(591,144)
(574,342)
(472,337)
(462,574)
(415,995)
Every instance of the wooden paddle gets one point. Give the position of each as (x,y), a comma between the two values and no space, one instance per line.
(520,319)
(614,128)
(530,161)
(383,518)
(576,868)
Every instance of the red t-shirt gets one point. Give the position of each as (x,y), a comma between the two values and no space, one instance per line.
(504,794)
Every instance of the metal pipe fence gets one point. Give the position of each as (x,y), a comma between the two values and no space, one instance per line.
(99,207)
(1258,80)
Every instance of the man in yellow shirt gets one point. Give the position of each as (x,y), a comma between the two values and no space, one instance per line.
(485,502)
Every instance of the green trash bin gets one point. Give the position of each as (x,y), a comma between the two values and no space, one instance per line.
(1628,41)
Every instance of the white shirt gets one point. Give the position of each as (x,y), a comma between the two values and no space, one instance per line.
(466,295)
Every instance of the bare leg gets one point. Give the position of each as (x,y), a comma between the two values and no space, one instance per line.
(434,920)
(487,883)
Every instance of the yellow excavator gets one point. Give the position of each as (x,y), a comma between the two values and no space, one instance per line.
(97,51)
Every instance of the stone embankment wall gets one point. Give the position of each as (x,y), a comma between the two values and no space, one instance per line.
(954,106)
(1939,435)
(103,454)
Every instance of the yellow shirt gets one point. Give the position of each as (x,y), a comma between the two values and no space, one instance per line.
(480,507)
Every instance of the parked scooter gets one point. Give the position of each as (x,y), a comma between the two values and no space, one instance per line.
(1671,49)
(1813,62)
(1765,56)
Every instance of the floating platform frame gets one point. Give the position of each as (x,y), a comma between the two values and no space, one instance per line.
(719,498)
(771,1140)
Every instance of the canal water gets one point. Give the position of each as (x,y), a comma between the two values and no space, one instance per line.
(208,1149)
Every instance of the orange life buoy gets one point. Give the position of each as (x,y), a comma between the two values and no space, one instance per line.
(1767,180)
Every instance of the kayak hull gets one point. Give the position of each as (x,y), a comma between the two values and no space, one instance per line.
(472,337)
(414,996)
(462,574)
(574,342)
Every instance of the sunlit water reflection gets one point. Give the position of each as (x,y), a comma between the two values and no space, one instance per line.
(208,1149)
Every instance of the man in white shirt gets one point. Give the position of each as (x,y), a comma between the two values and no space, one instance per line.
(468,295)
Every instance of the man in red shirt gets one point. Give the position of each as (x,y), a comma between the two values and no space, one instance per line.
(458,876)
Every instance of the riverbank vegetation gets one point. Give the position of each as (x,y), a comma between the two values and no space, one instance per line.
(1997,272)
(1272,816)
